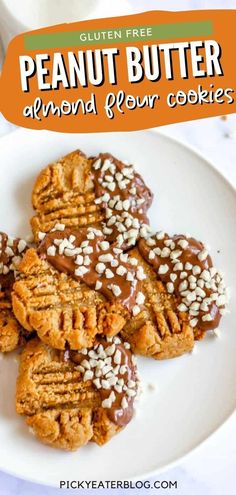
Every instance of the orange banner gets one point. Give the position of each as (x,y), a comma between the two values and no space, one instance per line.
(121,74)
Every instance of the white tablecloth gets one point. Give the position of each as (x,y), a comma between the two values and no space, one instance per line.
(211,470)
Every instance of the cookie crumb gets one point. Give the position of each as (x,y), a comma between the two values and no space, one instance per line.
(151,387)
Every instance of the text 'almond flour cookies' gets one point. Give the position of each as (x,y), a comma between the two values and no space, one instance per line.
(70,398)
(78,191)
(11,252)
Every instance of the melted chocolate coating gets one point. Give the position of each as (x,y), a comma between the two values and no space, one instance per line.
(142,192)
(7,280)
(116,413)
(67,265)
(188,255)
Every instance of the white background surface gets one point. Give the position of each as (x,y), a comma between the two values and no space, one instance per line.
(210,470)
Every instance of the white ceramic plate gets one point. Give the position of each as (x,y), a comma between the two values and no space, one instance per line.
(193,394)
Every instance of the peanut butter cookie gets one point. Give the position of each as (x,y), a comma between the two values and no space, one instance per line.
(64,193)
(78,191)
(161,296)
(63,311)
(70,398)
(184,265)
(157,328)
(78,285)
(184,296)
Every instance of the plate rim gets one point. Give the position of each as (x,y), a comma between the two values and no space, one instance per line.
(146,475)
(232,415)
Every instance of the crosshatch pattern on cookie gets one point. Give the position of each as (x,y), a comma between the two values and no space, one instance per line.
(61,310)
(64,192)
(103,191)
(159,330)
(65,312)
(64,405)
(89,257)
(185,266)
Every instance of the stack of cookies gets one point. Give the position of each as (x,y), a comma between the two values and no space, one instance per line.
(95,288)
